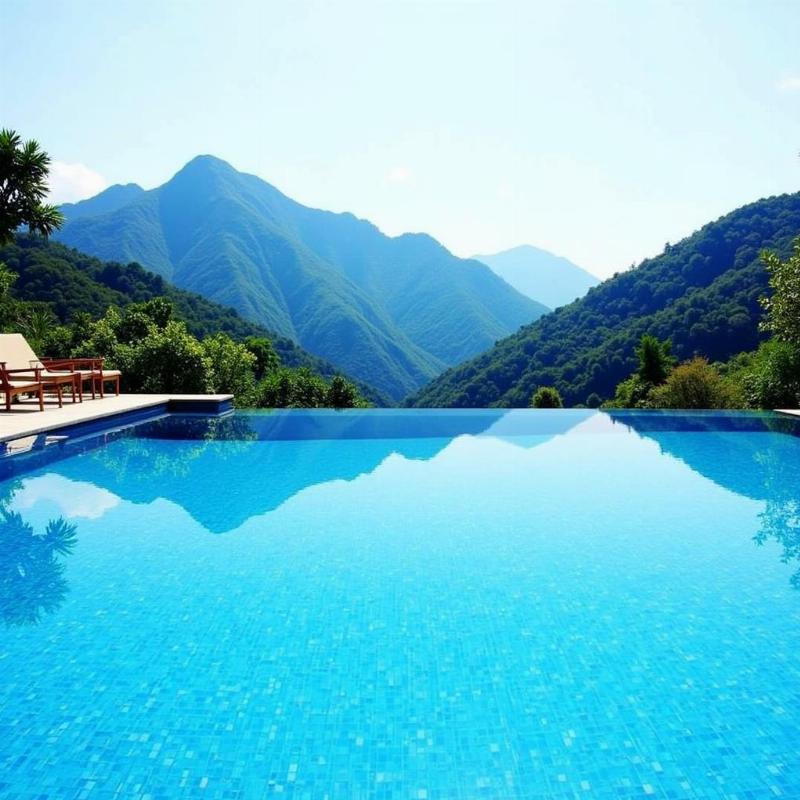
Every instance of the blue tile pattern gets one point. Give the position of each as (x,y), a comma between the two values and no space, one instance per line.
(565,605)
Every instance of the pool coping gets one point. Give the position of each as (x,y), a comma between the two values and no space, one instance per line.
(33,423)
(789,412)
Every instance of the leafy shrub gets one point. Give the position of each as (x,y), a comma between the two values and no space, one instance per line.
(770,378)
(783,305)
(546,397)
(166,360)
(58,342)
(342,394)
(695,384)
(266,359)
(231,368)
(655,363)
(631,393)
(292,388)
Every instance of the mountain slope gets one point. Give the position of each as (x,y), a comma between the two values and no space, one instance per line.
(702,293)
(392,311)
(71,282)
(108,200)
(540,275)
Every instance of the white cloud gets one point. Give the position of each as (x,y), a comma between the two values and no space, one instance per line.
(74,498)
(398,175)
(72,182)
(791,84)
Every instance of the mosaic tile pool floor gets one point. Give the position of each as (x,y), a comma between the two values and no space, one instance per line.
(409,605)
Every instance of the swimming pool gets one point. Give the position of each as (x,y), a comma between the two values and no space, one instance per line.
(404,604)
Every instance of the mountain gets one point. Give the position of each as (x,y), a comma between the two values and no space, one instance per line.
(701,293)
(540,275)
(391,311)
(70,282)
(108,200)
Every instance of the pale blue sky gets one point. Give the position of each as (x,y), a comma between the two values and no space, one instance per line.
(598,130)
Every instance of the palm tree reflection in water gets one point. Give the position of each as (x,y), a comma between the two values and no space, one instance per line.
(32,582)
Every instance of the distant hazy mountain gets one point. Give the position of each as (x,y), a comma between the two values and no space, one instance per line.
(394,312)
(542,276)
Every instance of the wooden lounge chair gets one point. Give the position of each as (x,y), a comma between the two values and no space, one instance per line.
(20,360)
(84,370)
(88,369)
(103,376)
(13,387)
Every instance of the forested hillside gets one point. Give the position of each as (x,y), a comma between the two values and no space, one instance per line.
(701,293)
(72,283)
(393,311)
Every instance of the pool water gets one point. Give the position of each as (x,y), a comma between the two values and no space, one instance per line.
(404,604)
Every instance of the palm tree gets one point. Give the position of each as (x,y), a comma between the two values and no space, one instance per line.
(35,324)
(24,168)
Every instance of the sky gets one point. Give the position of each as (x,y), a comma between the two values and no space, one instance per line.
(597,130)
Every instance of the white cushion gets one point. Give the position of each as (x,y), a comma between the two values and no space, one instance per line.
(16,352)
(20,384)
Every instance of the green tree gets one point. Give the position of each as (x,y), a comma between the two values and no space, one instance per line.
(267,359)
(8,306)
(770,377)
(292,388)
(783,305)
(655,364)
(655,360)
(231,365)
(342,394)
(633,392)
(24,168)
(546,397)
(167,360)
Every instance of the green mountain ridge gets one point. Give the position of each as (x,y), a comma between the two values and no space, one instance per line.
(70,282)
(394,312)
(701,293)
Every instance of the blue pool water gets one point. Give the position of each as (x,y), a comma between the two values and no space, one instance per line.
(404,605)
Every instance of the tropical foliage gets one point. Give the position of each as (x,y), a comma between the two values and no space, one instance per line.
(23,188)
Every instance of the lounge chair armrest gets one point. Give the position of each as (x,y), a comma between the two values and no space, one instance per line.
(35,372)
(73,363)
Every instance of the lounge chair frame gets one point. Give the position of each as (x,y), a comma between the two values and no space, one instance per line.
(32,387)
(81,366)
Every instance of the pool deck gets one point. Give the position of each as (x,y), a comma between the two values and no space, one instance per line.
(25,419)
(791,412)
